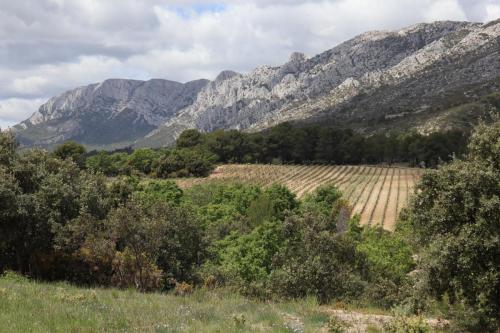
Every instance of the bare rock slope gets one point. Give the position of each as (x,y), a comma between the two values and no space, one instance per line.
(375,81)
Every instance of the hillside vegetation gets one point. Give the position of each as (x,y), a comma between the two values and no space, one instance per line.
(61,221)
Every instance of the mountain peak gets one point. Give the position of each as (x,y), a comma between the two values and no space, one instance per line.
(376,75)
(225,75)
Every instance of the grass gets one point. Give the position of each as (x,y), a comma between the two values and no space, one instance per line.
(29,306)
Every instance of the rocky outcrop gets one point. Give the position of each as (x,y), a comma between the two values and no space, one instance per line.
(376,75)
(332,82)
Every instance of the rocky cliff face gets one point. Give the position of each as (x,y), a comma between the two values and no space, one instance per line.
(115,111)
(375,76)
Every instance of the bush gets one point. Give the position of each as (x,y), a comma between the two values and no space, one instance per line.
(403,324)
(184,163)
(316,261)
(246,259)
(71,150)
(453,223)
(183,289)
(153,191)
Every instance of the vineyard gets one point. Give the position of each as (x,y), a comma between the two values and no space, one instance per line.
(376,193)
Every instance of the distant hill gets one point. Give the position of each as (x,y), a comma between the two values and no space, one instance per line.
(416,77)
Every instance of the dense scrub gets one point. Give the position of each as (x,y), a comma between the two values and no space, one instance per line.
(454,224)
(61,222)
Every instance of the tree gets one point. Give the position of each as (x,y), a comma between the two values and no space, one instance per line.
(71,150)
(454,222)
(184,163)
(8,146)
(142,160)
(189,138)
(315,260)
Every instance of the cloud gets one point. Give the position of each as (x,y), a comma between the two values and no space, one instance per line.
(13,109)
(49,46)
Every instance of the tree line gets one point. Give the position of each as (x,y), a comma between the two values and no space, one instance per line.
(195,154)
(286,143)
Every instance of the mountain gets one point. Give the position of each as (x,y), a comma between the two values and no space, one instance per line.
(113,113)
(380,80)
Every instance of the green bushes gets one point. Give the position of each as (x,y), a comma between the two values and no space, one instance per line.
(316,261)
(71,150)
(453,222)
(184,163)
(171,163)
(60,222)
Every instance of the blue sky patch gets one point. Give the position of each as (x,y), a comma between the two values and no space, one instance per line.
(198,9)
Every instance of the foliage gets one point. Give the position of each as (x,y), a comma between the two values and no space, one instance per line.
(315,260)
(153,191)
(248,257)
(286,143)
(387,254)
(189,138)
(142,160)
(453,221)
(407,325)
(46,193)
(184,163)
(72,150)
(109,164)
(8,146)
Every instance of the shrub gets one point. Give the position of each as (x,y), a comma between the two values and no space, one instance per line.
(142,160)
(153,191)
(247,258)
(71,150)
(316,261)
(453,223)
(183,289)
(401,324)
(184,163)
(135,270)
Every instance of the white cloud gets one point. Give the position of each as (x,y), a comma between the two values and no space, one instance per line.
(444,9)
(13,109)
(49,46)
(492,12)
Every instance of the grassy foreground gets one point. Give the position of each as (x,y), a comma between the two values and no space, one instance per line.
(27,306)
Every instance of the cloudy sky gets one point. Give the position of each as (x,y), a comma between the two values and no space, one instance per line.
(49,46)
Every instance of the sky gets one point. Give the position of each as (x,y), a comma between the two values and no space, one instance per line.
(50,46)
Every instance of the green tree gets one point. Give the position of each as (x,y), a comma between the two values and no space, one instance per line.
(316,260)
(189,138)
(154,191)
(142,160)
(72,150)
(8,146)
(453,221)
(246,260)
